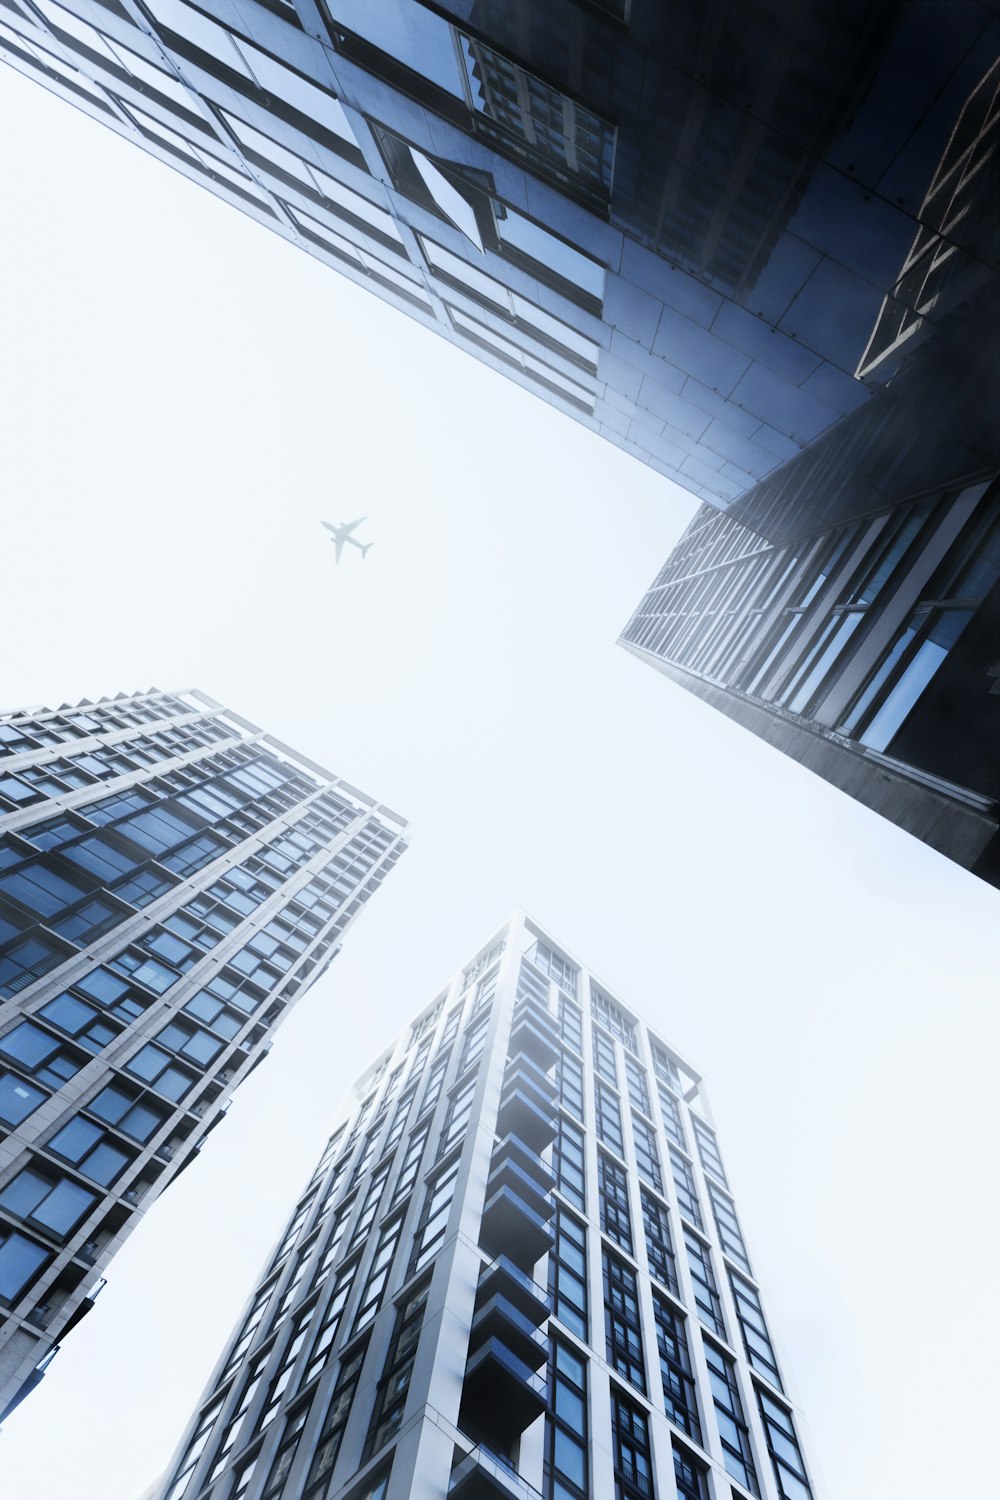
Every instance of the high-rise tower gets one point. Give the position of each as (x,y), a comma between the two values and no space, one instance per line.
(867,650)
(517,1271)
(171,880)
(709,230)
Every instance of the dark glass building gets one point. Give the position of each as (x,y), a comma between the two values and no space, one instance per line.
(868,651)
(517,1273)
(711,230)
(172,880)
(752,242)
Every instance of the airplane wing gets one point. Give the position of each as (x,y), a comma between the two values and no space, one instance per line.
(328,526)
(351,524)
(339,547)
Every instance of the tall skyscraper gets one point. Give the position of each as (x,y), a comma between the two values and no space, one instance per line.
(709,230)
(172,879)
(866,650)
(517,1271)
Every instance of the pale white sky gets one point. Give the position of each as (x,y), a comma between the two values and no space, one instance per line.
(184,396)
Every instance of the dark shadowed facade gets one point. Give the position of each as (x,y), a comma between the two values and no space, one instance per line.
(869,651)
(698,228)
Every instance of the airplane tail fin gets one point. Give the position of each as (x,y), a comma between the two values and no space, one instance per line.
(365,548)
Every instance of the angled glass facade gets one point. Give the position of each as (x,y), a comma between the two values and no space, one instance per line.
(172,880)
(724,235)
(493,1287)
(868,651)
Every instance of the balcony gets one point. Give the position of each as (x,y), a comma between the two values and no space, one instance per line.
(510,1173)
(481,1475)
(498,1318)
(525,1113)
(501,1395)
(512,1149)
(526,1074)
(533,1034)
(503,1278)
(511,1227)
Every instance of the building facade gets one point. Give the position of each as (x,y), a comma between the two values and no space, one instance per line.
(867,651)
(172,880)
(713,231)
(516,1272)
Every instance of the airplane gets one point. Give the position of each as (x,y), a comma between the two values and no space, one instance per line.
(341,535)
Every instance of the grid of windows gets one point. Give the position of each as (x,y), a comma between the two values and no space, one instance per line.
(612,1188)
(558,968)
(566,1429)
(390,1399)
(568,1273)
(630,1449)
(659,1246)
(331,1432)
(333,1300)
(433,1223)
(609,1123)
(622,1324)
(611,1015)
(679,1400)
(604,1057)
(569,1162)
(687,1193)
(730,1234)
(569,1081)
(756,1339)
(733,1431)
(708,1148)
(706,1290)
(671,1114)
(783,1446)
(647,1154)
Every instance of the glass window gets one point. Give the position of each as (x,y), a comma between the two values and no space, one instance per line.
(679,1400)
(568,1273)
(57,1203)
(20,1261)
(786,1455)
(736,1451)
(622,1324)
(940,636)
(18,1099)
(41,888)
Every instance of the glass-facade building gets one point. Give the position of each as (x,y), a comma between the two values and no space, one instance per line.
(754,243)
(517,1272)
(709,231)
(172,879)
(868,651)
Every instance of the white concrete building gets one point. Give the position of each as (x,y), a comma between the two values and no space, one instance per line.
(517,1271)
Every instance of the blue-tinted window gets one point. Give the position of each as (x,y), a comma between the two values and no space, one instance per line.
(94,917)
(142,888)
(75,1139)
(57,1204)
(102,986)
(28,1044)
(158,828)
(20,1260)
(159,1070)
(119,1107)
(101,856)
(41,889)
(17,1098)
